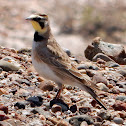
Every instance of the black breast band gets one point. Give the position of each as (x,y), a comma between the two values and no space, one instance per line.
(38,37)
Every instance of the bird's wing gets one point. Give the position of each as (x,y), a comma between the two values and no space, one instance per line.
(55,56)
(58,59)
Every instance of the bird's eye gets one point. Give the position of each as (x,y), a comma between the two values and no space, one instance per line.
(42,24)
(38,18)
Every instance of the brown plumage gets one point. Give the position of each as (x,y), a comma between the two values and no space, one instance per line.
(51,62)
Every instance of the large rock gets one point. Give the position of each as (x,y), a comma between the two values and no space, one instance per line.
(114,51)
(7,66)
(77,120)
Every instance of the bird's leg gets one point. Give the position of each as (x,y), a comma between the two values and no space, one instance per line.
(59,101)
(59,91)
(58,94)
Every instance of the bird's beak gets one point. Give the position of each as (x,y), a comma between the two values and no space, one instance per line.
(29,19)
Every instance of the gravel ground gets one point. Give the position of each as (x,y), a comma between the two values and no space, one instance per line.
(27,99)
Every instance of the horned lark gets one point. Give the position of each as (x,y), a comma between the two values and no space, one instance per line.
(52,63)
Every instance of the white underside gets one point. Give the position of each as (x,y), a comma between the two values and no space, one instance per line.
(45,71)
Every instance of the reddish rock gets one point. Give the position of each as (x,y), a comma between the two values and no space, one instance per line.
(63,123)
(114,51)
(93,103)
(42,117)
(119,106)
(56,108)
(47,85)
(3,117)
(53,120)
(102,56)
(4,108)
(98,78)
(40,79)
(84,110)
(3,91)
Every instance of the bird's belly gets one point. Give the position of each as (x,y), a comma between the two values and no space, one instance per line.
(45,71)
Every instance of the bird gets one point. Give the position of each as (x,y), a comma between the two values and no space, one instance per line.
(52,62)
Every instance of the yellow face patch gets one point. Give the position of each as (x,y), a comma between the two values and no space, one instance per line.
(37,27)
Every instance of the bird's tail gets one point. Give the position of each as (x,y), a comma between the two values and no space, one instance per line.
(91,89)
(87,84)
(95,96)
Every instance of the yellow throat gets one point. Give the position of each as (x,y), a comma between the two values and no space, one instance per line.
(37,27)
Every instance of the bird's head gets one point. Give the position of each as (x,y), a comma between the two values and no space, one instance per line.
(39,22)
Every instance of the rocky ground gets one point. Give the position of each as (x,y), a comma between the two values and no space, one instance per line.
(27,99)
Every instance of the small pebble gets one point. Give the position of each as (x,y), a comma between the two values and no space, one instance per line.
(20,105)
(77,120)
(122,90)
(121,84)
(3,91)
(63,123)
(34,111)
(104,114)
(13,50)
(113,124)
(93,67)
(93,103)
(60,102)
(53,120)
(46,86)
(112,64)
(114,91)
(3,123)
(4,108)
(26,113)
(75,99)
(24,50)
(1,70)
(121,98)
(82,66)
(67,51)
(42,117)
(97,123)
(56,108)
(98,119)
(118,120)
(24,81)
(7,66)
(20,71)
(13,90)
(84,110)
(73,108)
(110,86)
(122,72)
(119,105)
(3,117)
(84,123)
(98,78)
(102,87)
(122,114)
(68,87)
(40,79)
(101,56)
(35,101)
